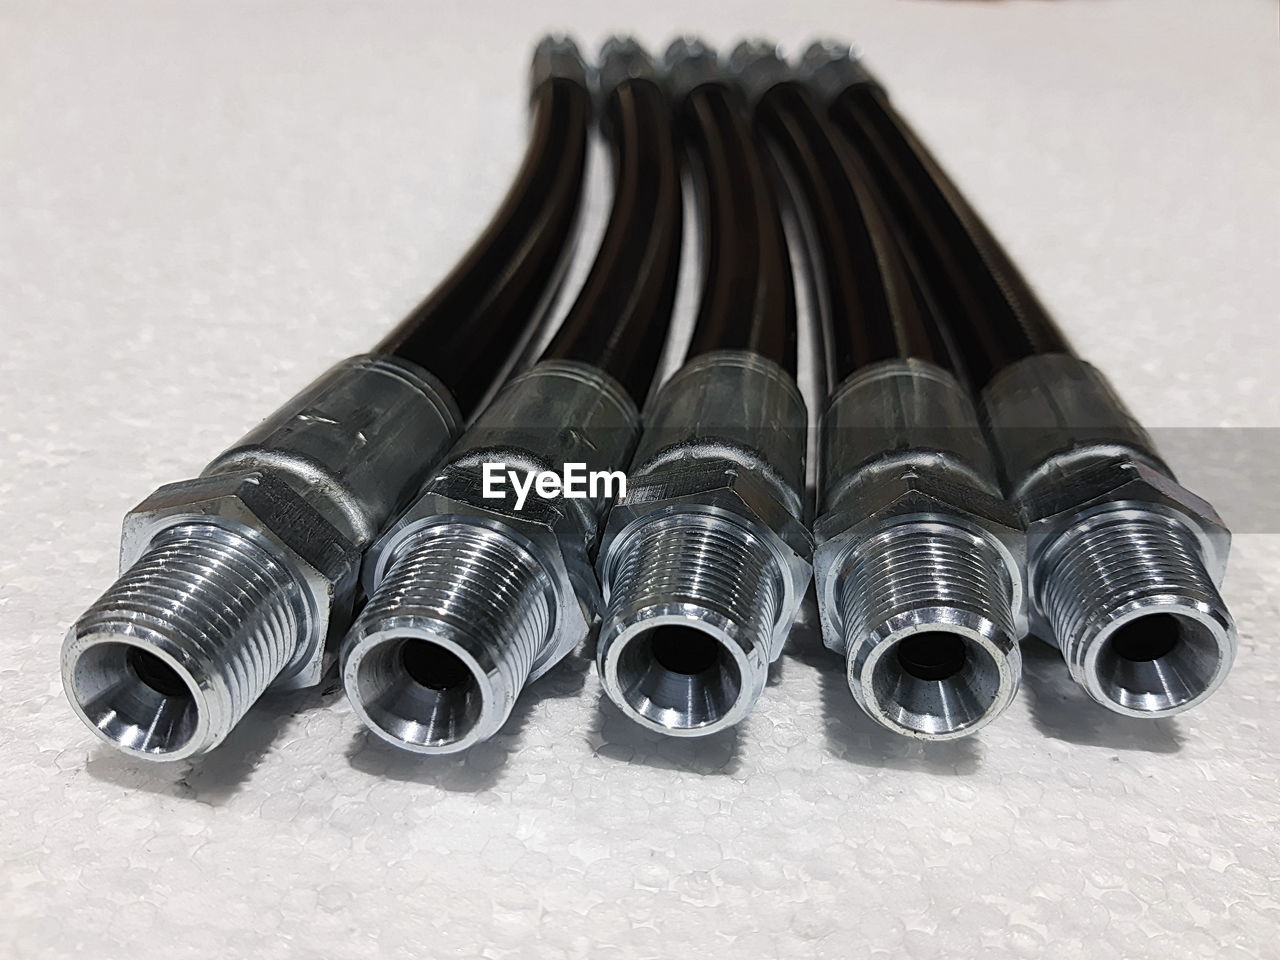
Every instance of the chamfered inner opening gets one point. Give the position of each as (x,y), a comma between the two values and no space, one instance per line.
(935,682)
(1157,662)
(135,698)
(420,692)
(678,676)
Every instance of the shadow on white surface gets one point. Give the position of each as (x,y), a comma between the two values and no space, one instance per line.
(1061,710)
(215,779)
(853,736)
(482,766)
(615,736)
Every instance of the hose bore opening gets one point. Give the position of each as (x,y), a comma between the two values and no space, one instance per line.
(678,676)
(685,651)
(1158,661)
(935,655)
(935,683)
(1147,638)
(155,673)
(434,667)
(419,692)
(135,698)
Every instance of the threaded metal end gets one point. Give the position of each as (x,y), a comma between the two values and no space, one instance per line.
(690,62)
(1135,612)
(926,612)
(622,58)
(694,600)
(448,639)
(556,55)
(170,658)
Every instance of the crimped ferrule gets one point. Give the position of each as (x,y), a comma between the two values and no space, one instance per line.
(233,582)
(1124,562)
(473,596)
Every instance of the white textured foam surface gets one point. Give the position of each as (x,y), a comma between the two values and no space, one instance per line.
(203,204)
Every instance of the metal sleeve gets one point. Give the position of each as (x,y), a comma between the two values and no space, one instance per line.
(556,413)
(355,443)
(1055,413)
(897,414)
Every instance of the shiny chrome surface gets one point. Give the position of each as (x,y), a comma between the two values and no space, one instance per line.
(919,562)
(234,582)
(1124,562)
(491,597)
(704,564)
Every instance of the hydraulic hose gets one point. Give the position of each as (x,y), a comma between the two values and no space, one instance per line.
(620,318)
(980,290)
(469,327)
(871,307)
(473,595)
(1124,564)
(748,296)
(918,563)
(234,582)
(705,560)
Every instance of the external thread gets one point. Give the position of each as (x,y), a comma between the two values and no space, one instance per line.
(208,603)
(911,568)
(677,580)
(926,611)
(1135,612)
(477,597)
(703,560)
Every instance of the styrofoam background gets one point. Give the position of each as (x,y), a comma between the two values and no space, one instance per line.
(203,204)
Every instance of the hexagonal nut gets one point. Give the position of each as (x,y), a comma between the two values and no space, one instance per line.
(908,495)
(1084,489)
(260,505)
(719,486)
(575,521)
(549,530)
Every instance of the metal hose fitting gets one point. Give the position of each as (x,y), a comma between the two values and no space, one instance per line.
(471,598)
(831,67)
(705,562)
(919,558)
(758,66)
(690,63)
(232,583)
(1124,563)
(621,58)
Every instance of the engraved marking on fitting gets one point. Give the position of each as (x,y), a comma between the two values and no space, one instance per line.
(573,482)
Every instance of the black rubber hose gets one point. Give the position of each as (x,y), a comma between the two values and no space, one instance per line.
(870,306)
(748,293)
(994,316)
(466,331)
(620,319)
